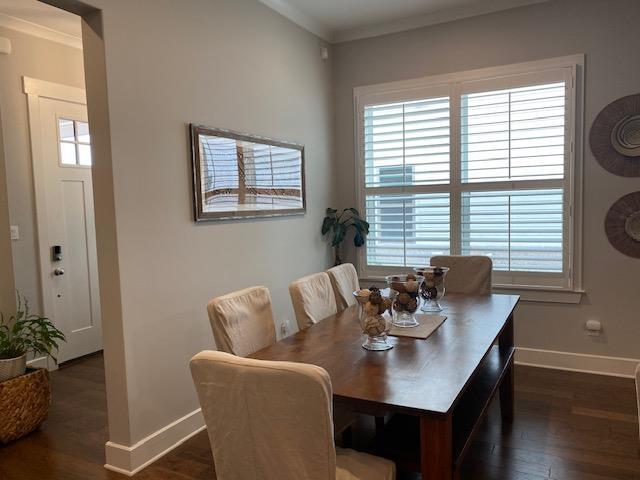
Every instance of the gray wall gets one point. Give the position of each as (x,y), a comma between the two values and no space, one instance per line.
(226,63)
(44,60)
(607,32)
(7,302)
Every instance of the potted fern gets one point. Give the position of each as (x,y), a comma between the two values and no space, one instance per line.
(24,333)
(339,224)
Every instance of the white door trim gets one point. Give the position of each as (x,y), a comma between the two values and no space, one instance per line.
(57,91)
(35,90)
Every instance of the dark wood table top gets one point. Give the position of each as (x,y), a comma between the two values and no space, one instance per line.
(416,376)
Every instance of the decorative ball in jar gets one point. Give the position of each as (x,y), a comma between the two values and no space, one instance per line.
(407,299)
(374,316)
(432,288)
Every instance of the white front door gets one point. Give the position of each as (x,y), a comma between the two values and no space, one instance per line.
(71,273)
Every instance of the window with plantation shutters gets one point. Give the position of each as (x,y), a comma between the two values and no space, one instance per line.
(406,145)
(471,166)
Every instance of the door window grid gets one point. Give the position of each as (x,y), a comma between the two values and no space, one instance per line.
(75,142)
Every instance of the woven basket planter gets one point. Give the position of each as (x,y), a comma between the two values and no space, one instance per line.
(24,404)
(12,367)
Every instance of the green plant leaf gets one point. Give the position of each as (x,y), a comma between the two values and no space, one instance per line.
(358,239)
(27,333)
(331,211)
(327,223)
(339,231)
(354,211)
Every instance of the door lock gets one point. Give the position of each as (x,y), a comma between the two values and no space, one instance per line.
(58,271)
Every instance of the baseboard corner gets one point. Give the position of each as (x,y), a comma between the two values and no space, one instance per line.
(129,460)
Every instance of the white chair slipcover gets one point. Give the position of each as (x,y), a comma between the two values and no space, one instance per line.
(467,274)
(272,421)
(344,280)
(242,321)
(313,299)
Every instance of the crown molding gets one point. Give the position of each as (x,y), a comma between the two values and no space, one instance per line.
(434,18)
(297,16)
(308,22)
(30,28)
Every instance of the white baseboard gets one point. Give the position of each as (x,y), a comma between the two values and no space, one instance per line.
(130,460)
(40,362)
(577,362)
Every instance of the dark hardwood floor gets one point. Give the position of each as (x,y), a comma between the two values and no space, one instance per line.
(568,426)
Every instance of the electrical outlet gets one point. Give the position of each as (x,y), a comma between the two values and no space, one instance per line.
(593,327)
(284,328)
(15,232)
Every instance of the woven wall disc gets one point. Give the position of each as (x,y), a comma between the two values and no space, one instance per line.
(622,225)
(615,137)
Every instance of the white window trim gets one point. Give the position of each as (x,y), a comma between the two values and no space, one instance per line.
(450,84)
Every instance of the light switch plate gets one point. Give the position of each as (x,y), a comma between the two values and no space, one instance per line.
(15,232)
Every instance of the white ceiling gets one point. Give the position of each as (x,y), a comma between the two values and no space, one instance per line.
(36,18)
(342,20)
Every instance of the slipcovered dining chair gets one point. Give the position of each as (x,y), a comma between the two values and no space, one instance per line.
(467,274)
(272,421)
(242,321)
(313,299)
(344,280)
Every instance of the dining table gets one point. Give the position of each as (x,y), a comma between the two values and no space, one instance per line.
(435,391)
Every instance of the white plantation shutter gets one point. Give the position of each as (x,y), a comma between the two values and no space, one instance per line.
(514,134)
(406,144)
(510,137)
(484,170)
(407,229)
(520,230)
(411,136)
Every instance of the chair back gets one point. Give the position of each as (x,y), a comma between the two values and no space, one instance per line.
(467,274)
(242,321)
(344,280)
(313,299)
(266,420)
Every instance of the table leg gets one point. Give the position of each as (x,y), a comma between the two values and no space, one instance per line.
(506,342)
(436,448)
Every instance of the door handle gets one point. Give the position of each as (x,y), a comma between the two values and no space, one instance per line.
(58,271)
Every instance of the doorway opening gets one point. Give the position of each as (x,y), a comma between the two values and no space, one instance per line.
(49,178)
(57,162)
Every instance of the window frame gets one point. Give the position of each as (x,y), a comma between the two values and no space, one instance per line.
(533,285)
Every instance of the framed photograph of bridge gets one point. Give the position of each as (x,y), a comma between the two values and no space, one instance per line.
(237,175)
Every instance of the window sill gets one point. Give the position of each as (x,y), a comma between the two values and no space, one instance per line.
(541,294)
(527,293)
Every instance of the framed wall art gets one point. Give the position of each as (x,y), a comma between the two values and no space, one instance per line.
(237,175)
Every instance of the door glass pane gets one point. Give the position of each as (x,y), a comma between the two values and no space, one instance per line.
(66,130)
(82,129)
(67,153)
(84,154)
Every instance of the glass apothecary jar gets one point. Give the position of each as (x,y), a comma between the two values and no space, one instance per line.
(432,288)
(406,301)
(374,317)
